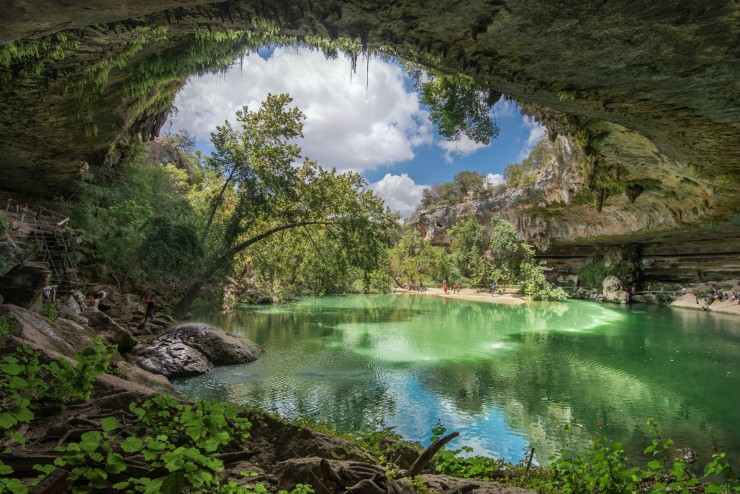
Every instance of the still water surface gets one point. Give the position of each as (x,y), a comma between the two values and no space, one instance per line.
(506,377)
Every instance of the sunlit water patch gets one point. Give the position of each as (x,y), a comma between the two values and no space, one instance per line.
(506,377)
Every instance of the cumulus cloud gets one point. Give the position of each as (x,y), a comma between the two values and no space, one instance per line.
(536,132)
(505,108)
(400,192)
(353,121)
(493,180)
(462,147)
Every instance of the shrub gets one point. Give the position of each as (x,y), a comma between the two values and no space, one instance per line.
(592,275)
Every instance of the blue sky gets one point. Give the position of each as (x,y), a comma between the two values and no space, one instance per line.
(372,123)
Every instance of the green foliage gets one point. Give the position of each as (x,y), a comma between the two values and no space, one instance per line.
(524,175)
(123,211)
(4,225)
(50,311)
(592,275)
(508,250)
(634,188)
(206,425)
(29,386)
(469,247)
(326,221)
(601,468)
(28,57)
(169,245)
(33,385)
(464,185)
(415,263)
(566,95)
(534,284)
(8,325)
(177,441)
(459,108)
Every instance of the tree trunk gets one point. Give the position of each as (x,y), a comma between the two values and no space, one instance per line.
(214,208)
(183,306)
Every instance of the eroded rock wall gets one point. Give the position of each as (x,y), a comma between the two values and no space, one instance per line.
(655,82)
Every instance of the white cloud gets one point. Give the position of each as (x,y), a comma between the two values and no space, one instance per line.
(400,192)
(492,180)
(347,126)
(536,132)
(505,108)
(462,147)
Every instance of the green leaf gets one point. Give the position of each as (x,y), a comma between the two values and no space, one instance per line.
(7,421)
(132,444)
(110,424)
(115,463)
(654,465)
(16,436)
(11,367)
(23,414)
(46,469)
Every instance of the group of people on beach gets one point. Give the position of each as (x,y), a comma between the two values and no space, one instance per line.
(722,296)
(446,287)
(456,287)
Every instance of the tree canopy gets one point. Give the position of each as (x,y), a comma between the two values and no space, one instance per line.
(269,192)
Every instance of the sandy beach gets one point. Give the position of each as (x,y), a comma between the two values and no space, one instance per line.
(508,297)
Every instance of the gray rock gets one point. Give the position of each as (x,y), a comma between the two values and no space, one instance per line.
(114,333)
(192,349)
(22,285)
(170,358)
(613,290)
(69,307)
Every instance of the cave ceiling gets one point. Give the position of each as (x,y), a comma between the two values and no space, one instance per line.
(658,82)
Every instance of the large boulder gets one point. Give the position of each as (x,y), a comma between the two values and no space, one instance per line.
(613,290)
(22,285)
(114,333)
(192,349)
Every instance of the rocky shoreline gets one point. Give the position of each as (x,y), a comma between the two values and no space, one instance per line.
(276,454)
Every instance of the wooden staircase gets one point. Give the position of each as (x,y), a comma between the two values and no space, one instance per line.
(47,228)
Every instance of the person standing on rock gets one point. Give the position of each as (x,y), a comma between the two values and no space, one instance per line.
(149,300)
(94,301)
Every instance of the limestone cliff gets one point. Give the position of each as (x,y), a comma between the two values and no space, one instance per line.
(648,90)
(568,232)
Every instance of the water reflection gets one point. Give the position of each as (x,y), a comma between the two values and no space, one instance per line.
(504,376)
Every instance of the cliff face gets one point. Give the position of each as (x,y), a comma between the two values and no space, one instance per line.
(569,234)
(649,90)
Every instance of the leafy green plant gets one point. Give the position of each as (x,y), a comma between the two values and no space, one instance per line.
(8,325)
(50,311)
(592,275)
(93,458)
(458,107)
(206,425)
(600,468)
(29,386)
(4,225)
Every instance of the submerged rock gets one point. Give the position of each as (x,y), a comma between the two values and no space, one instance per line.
(192,349)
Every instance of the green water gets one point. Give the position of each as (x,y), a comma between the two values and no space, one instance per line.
(506,377)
